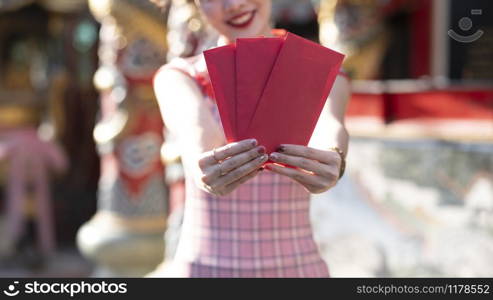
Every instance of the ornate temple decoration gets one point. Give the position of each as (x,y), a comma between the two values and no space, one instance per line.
(132,197)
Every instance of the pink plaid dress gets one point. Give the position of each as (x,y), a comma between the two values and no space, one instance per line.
(262,229)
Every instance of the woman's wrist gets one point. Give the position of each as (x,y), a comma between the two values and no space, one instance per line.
(342,168)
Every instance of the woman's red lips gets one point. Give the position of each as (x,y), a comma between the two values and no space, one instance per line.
(242,20)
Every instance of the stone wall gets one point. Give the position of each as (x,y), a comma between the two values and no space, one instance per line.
(410,208)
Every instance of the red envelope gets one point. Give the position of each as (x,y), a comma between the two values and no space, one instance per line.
(255,58)
(222,68)
(295,94)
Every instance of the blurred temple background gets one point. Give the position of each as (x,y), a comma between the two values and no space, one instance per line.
(91,184)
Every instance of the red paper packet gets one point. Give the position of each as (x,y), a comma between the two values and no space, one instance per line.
(272,89)
(222,69)
(295,94)
(255,58)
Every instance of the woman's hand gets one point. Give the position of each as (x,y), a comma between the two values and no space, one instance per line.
(226,168)
(316,170)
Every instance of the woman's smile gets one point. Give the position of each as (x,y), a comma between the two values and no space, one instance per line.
(235,19)
(242,20)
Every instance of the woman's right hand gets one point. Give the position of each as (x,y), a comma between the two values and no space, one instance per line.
(226,168)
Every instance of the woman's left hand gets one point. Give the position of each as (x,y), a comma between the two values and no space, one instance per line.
(317,170)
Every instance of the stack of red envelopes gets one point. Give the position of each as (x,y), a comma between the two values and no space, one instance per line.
(272,89)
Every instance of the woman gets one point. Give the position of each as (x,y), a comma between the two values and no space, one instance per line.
(241,220)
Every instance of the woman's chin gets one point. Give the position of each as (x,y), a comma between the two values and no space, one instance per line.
(237,34)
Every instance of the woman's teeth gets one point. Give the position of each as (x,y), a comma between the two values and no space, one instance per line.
(242,19)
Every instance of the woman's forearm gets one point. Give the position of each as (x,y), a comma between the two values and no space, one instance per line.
(330,130)
(338,136)
(330,133)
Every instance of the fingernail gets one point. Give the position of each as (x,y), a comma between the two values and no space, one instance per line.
(281,149)
(261,150)
(274,156)
(253,142)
